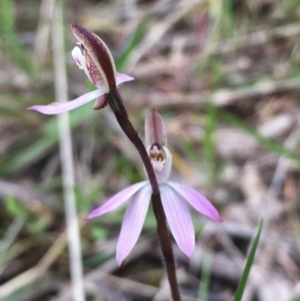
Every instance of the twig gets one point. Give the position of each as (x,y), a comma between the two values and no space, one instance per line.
(37,271)
(159,29)
(249,40)
(257,38)
(279,175)
(26,195)
(66,155)
(220,98)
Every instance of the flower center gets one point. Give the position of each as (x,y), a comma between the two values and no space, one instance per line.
(157,156)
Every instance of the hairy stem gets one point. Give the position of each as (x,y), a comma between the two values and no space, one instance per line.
(117,105)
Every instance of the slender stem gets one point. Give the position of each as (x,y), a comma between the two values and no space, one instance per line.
(65,142)
(117,105)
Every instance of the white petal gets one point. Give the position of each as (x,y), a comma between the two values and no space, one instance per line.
(78,57)
(80,60)
(162,174)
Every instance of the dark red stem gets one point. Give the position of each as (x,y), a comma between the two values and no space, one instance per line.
(117,105)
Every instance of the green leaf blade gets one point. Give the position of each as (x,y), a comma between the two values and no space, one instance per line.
(243,281)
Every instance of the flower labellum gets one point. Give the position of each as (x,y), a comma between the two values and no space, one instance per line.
(173,195)
(93,56)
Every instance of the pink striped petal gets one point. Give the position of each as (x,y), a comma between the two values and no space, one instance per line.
(117,200)
(133,223)
(61,107)
(99,54)
(197,200)
(80,61)
(179,219)
(155,131)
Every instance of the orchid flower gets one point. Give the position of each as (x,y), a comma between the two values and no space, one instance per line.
(93,56)
(173,196)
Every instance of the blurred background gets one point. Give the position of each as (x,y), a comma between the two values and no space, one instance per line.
(225,76)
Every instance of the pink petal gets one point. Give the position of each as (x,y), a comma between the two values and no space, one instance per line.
(61,107)
(133,223)
(122,78)
(155,131)
(117,200)
(179,219)
(197,200)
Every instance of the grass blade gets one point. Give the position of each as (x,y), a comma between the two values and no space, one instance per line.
(209,149)
(10,41)
(134,41)
(267,142)
(205,276)
(243,281)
